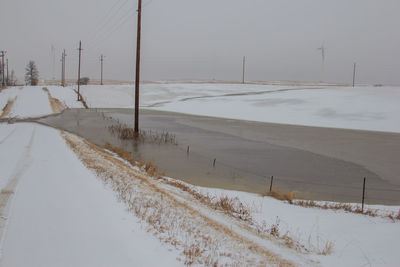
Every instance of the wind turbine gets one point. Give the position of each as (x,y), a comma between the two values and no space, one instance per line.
(322,49)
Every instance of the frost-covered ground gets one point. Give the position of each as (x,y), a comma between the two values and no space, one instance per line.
(56,212)
(363,107)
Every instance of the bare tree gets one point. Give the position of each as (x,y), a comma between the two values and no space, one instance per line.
(31,74)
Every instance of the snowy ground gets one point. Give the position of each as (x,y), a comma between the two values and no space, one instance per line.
(363,107)
(61,215)
(56,212)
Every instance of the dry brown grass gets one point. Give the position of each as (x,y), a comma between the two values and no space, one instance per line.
(82,99)
(150,168)
(348,208)
(127,133)
(7,108)
(328,248)
(288,196)
(56,105)
(394,216)
(175,219)
(122,153)
(230,206)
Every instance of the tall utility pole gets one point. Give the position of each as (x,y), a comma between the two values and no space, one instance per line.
(2,55)
(139,30)
(101,77)
(7,81)
(244,68)
(53,56)
(354,74)
(63,69)
(79,70)
(323,49)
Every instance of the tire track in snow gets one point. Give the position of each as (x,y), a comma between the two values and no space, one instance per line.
(9,190)
(5,138)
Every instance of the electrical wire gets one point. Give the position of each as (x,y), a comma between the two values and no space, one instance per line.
(105,20)
(128,14)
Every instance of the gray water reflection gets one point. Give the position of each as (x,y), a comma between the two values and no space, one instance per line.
(241,164)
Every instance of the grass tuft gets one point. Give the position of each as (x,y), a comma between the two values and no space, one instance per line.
(126,133)
(7,108)
(282,196)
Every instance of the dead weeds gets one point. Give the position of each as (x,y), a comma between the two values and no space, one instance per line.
(170,217)
(277,194)
(7,108)
(148,167)
(352,208)
(56,105)
(230,206)
(125,132)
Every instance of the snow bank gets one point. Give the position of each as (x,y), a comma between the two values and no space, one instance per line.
(358,239)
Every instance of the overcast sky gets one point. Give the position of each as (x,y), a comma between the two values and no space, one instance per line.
(207,39)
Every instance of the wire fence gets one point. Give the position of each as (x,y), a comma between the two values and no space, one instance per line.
(197,165)
(351,191)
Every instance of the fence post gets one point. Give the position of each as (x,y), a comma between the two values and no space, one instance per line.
(363,196)
(270,186)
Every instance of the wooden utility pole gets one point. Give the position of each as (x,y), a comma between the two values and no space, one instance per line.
(354,74)
(101,60)
(244,68)
(137,79)
(79,71)
(2,55)
(53,55)
(7,81)
(63,69)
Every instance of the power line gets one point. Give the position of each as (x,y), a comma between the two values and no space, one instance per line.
(107,24)
(121,22)
(105,19)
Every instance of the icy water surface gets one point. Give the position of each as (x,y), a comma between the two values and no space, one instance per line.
(246,154)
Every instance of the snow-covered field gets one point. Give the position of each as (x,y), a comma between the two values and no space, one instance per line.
(56,212)
(363,107)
